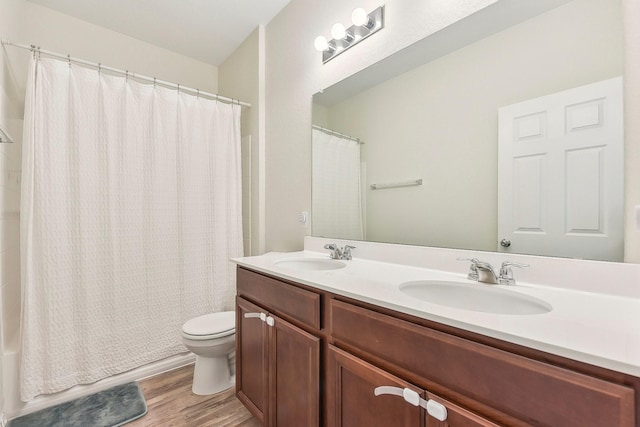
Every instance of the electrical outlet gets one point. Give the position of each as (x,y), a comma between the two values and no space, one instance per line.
(303,219)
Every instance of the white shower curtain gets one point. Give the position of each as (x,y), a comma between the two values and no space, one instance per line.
(131,209)
(336,198)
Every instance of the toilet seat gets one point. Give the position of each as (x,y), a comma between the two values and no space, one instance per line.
(210,326)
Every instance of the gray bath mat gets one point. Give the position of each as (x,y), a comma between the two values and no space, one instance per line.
(108,408)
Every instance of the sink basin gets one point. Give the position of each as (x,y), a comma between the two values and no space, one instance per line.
(475,297)
(310,264)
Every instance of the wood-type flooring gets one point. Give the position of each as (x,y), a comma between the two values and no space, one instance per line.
(171,403)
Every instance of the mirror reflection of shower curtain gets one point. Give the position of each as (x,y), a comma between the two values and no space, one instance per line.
(335,191)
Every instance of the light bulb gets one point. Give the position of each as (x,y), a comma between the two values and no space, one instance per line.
(359,17)
(321,43)
(338,32)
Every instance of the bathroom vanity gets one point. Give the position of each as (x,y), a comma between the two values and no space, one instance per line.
(318,346)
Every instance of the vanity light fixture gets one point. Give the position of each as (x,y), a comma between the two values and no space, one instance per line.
(363,26)
(338,32)
(322,44)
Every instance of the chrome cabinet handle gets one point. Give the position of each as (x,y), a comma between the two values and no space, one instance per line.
(505,243)
(435,409)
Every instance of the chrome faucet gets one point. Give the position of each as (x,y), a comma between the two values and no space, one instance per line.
(337,253)
(486,274)
(506,275)
(346,252)
(481,271)
(473,271)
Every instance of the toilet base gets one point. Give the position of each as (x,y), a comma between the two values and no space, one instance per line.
(211,375)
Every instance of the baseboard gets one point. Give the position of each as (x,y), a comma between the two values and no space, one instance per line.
(19,409)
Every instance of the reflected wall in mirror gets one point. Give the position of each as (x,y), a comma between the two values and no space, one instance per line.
(439,122)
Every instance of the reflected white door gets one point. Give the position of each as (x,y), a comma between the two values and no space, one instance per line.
(560,176)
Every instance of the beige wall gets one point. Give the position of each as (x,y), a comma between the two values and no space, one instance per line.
(241,76)
(27,23)
(439,121)
(61,33)
(295,71)
(11,13)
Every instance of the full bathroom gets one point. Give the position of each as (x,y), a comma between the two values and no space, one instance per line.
(284,212)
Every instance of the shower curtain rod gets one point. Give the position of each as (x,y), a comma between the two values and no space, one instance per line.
(333,132)
(127,73)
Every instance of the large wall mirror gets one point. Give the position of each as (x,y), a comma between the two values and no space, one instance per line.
(438,123)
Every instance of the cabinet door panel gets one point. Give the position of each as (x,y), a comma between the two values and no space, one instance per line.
(350,394)
(294,376)
(251,359)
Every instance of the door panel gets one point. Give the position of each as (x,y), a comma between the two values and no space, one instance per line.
(560,174)
(529,211)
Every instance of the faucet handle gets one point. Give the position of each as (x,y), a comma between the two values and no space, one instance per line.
(335,251)
(346,252)
(506,274)
(474,261)
(473,269)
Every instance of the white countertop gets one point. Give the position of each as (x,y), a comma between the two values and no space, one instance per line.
(595,328)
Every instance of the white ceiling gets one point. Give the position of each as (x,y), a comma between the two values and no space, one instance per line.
(207,30)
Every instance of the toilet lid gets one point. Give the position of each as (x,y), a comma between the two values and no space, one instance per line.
(211,324)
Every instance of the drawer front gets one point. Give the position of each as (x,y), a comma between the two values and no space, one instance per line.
(280,298)
(532,391)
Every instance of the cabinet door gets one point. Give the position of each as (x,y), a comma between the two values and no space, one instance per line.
(351,401)
(457,416)
(251,358)
(294,376)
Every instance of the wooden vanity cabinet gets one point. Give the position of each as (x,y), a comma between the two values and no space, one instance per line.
(277,362)
(324,356)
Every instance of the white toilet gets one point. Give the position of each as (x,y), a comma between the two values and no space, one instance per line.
(212,339)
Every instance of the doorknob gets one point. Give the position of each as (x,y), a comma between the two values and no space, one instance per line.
(505,243)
